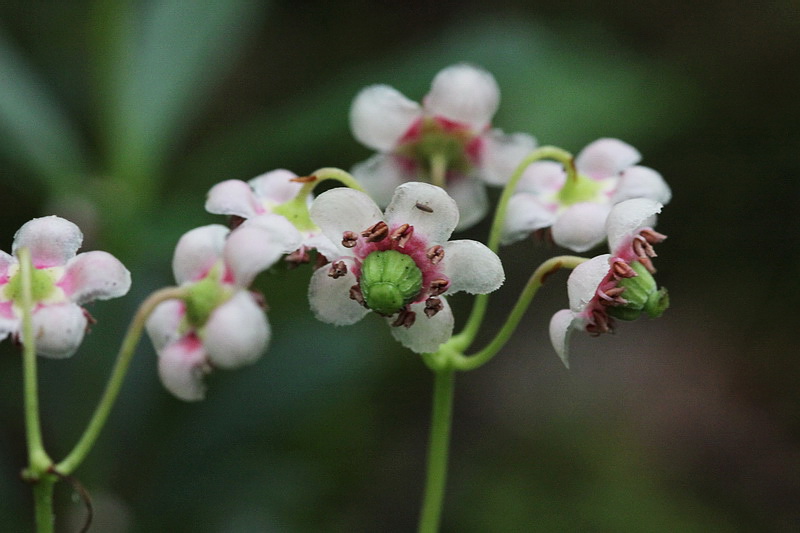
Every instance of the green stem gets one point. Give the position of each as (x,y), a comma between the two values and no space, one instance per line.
(330,173)
(439,170)
(126,351)
(43,503)
(438,448)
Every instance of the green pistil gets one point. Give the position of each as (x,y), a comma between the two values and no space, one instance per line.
(435,143)
(42,286)
(204,296)
(389,281)
(579,189)
(642,295)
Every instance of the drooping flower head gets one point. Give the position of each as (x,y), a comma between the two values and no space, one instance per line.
(576,210)
(451,129)
(220,324)
(61,283)
(618,285)
(398,264)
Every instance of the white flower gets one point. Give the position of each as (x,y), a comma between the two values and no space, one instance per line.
(220,324)
(617,285)
(399,264)
(453,123)
(61,283)
(576,211)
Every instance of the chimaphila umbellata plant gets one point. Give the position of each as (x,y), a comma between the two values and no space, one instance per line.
(380,244)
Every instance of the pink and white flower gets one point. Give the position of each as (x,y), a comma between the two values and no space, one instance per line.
(453,124)
(61,283)
(399,264)
(617,285)
(220,324)
(576,211)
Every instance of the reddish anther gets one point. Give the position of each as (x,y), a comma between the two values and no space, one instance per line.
(402,234)
(652,236)
(405,318)
(355,294)
(438,286)
(435,254)
(349,239)
(432,306)
(376,233)
(623,270)
(337,270)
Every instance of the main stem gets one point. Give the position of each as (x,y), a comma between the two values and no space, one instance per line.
(438,447)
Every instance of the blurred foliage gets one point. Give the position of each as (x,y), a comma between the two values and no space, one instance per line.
(121,115)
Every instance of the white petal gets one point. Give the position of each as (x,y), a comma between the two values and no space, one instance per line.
(330,298)
(95,276)
(182,366)
(502,154)
(276,186)
(627,217)
(525,214)
(642,182)
(197,251)
(257,245)
(581,227)
(381,115)
(464,93)
(542,177)
(583,281)
(59,329)
(472,267)
(342,209)
(163,323)
(237,332)
(380,175)
(561,326)
(437,218)
(426,334)
(606,157)
(233,197)
(469,194)
(6,261)
(322,244)
(51,240)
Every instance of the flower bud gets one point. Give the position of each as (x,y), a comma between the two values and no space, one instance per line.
(641,294)
(389,281)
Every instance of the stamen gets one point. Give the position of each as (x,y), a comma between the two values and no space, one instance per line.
(433,306)
(355,294)
(260,299)
(622,269)
(642,247)
(602,323)
(435,254)
(349,239)
(438,286)
(611,296)
(337,270)
(652,236)
(298,256)
(645,261)
(376,233)
(402,234)
(405,318)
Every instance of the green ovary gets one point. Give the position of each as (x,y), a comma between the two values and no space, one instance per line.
(204,296)
(580,189)
(642,295)
(389,281)
(42,286)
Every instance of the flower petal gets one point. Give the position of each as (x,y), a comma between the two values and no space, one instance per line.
(51,240)
(276,186)
(330,298)
(581,227)
(380,175)
(561,326)
(197,251)
(542,177)
(606,157)
(237,332)
(469,194)
(435,219)
(464,93)
(233,197)
(164,322)
(342,209)
(502,154)
(182,366)
(59,329)
(381,115)
(584,280)
(257,244)
(472,267)
(95,276)
(642,182)
(627,217)
(524,215)
(427,333)
(6,261)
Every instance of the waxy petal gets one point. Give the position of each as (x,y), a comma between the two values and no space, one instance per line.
(469,193)
(627,217)
(342,209)
(606,157)
(276,186)
(59,329)
(95,276)
(524,215)
(6,261)
(182,366)
(581,227)
(52,240)
(237,332)
(561,326)
(427,333)
(584,280)
(428,208)
(258,244)
(330,298)
(472,267)
(233,197)
(642,182)
(502,154)
(381,115)
(380,175)
(197,251)
(464,93)
(542,177)
(164,322)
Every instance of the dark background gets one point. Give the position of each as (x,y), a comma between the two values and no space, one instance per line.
(121,115)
